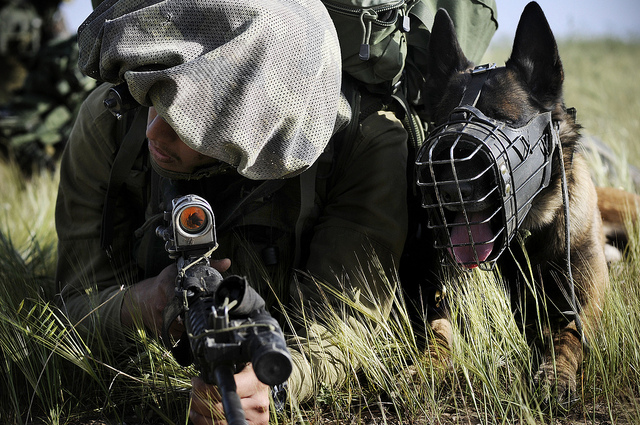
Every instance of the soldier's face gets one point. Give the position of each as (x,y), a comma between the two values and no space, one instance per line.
(168,150)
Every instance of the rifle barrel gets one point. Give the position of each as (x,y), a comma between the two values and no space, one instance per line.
(230,398)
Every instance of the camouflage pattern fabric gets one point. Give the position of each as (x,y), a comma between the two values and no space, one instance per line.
(253,84)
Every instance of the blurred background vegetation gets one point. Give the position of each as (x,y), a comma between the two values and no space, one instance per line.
(41,88)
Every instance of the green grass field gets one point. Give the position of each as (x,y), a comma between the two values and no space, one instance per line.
(48,375)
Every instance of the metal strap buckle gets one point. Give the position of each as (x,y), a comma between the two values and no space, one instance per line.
(483,68)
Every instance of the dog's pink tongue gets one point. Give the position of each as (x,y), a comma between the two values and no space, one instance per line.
(481,234)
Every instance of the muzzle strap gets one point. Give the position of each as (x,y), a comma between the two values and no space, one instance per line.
(472,91)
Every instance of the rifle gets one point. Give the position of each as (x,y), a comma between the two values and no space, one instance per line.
(227,324)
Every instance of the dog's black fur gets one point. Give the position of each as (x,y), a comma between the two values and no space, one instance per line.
(529,84)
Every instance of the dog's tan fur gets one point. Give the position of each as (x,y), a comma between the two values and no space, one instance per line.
(618,208)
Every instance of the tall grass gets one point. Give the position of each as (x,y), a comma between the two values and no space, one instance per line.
(49,375)
(47,371)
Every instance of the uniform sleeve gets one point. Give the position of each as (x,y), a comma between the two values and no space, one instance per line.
(475,23)
(356,245)
(90,283)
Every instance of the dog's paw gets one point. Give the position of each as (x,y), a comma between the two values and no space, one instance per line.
(557,385)
(612,254)
(438,354)
(434,366)
(410,377)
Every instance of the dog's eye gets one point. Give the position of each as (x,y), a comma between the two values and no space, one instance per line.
(500,114)
(505,119)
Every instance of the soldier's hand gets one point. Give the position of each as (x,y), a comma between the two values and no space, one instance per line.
(146,300)
(220,265)
(206,407)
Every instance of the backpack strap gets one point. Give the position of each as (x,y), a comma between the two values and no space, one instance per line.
(410,121)
(264,189)
(354,97)
(122,164)
(307,203)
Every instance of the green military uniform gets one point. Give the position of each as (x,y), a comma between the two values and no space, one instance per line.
(343,221)
(359,209)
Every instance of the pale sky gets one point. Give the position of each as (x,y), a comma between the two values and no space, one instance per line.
(618,18)
(593,18)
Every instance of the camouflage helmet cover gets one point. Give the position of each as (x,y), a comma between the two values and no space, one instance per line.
(255,84)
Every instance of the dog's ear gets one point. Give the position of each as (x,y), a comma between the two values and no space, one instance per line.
(445,54)
(535,56)
(445,57)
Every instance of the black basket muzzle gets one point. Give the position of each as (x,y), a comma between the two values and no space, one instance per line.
(478,178)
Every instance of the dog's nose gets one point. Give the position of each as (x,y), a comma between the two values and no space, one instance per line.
(456,194)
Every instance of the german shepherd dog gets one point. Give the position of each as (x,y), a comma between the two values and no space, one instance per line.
(502,151)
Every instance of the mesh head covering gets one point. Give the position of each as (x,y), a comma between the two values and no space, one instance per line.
(253,83)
